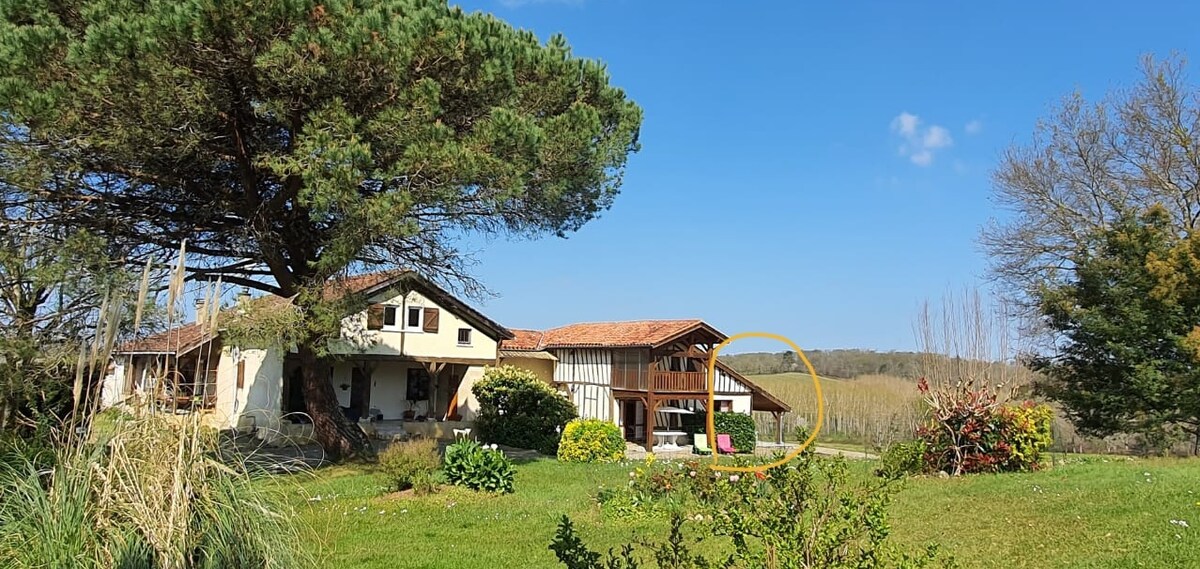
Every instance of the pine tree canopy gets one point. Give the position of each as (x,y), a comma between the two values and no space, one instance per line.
(289,140)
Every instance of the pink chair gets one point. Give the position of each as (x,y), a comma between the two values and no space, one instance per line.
(724,444)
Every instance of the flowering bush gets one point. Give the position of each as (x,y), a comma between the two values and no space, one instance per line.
(519,410)
(969,431)
(807,513)
(478,467)
(591,440)
(411,464)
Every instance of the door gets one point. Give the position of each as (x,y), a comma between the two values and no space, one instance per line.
(633,418)
(293,396)
(360,392)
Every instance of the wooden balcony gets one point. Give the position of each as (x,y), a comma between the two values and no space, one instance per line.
(661,381)
(678,381)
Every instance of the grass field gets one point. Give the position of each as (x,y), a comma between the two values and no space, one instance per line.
(871,409)
(1086,513)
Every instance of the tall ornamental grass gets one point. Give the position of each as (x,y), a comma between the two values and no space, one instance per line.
(155,493)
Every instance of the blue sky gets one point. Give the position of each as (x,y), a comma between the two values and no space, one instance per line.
(810,169)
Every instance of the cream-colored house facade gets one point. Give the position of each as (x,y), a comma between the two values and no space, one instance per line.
(412,355)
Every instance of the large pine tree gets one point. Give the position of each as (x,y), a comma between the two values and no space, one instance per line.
(291,141)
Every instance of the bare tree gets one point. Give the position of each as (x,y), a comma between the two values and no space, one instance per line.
(1085,166)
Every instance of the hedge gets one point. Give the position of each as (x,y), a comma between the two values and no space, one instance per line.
(740,428)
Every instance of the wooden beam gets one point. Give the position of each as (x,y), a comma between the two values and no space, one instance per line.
(651,405)
(414,359)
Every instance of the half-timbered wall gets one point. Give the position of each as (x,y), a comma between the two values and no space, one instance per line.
(587,376)
(727,384)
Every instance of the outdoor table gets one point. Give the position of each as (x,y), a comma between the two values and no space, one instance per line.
(663,444)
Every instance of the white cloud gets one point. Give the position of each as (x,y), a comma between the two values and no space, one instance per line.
(920,143)
(906,124)
(974,126)
(937,137)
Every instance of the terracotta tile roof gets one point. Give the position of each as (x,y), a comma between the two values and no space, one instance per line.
(637,333)
(523,340)
(178,339)
(360,283)
(188,336)
(527,354)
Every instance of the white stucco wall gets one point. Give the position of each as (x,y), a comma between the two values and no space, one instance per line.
(468,405)
(414,342)
(112,392)
(741,403)
(259,401)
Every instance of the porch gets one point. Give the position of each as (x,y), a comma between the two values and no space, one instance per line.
(388,388)
(182,382)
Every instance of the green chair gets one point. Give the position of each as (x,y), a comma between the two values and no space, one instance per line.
(700,444)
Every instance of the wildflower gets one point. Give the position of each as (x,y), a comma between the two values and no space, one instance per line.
(693,475)
(1180,523)
(495,446)
(759,475)
(632,474)
(734,478)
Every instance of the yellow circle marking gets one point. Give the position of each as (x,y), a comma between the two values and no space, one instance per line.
(712,382)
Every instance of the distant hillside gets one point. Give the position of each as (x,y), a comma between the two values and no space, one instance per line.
(830,363)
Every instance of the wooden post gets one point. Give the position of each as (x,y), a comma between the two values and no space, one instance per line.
(778,426)
(651,406)
(434,369)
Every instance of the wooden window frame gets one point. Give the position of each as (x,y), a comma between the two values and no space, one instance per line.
(395,310)
(419,328)
(460,337)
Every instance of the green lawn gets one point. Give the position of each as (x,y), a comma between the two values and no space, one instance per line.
(1090,512)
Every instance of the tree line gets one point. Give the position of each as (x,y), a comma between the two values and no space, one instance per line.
(841,363)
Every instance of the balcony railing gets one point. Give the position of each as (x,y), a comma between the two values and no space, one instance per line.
(678,381)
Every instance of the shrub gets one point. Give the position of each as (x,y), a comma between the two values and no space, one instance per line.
(411,464)
(902,459)
(807,513)
(1026,428)
(478,467)
(969,431)
(519,410)
(591,440)
(740,427)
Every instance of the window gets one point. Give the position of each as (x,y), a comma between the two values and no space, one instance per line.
(723,405)
(389,316)
(464,336)
(630,369)
(412,318)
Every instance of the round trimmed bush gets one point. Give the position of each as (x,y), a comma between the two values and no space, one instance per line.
(517,409)
(591,440)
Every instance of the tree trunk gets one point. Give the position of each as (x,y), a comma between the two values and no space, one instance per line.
(338,436)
